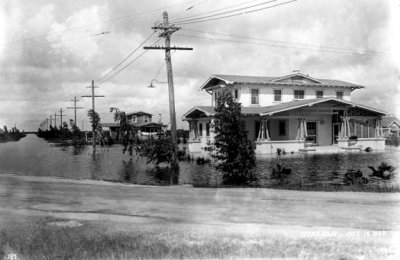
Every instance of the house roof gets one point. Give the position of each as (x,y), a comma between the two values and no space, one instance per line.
(138,113)
(270,110)
(387,121)
(297,79)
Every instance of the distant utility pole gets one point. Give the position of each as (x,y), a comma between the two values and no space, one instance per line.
(75,108)
(61,123)
(51,119)
(55,119)
(93,96)
(166,31)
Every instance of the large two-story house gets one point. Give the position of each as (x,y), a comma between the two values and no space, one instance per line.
(294,113)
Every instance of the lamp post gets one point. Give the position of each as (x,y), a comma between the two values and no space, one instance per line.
(154,80)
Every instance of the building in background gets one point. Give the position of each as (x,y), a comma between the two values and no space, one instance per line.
(141,122)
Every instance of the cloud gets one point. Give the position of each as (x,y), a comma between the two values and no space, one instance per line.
(40,75)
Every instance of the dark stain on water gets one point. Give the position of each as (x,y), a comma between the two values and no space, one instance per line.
(35,156)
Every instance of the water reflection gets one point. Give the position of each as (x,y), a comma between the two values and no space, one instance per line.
(34,156)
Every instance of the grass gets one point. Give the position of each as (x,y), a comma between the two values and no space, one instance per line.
(39,240)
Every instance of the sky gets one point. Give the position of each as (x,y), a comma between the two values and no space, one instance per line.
(51,50)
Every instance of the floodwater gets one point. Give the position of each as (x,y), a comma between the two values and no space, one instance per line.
(35,156)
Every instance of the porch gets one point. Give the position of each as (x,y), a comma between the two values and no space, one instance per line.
(333,133)
(298,126)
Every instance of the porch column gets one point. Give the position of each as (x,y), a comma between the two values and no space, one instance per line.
(378,128)
(362,130)
(355,128)
(195,130)
(345,128)
(212,133)
(301,129)
(263,133)
(266,130)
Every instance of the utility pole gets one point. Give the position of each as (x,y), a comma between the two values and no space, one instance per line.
(75,108)
(61,123)
(93,106)
(55,119)
(166,31)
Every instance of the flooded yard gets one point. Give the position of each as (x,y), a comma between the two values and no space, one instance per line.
(37,157)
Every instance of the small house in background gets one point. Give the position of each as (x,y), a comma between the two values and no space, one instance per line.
(390,126)
(139,118)
(296,113)
(140,122)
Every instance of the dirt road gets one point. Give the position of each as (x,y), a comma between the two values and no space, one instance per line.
(351,215)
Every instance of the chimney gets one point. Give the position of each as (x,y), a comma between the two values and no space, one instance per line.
(297,71)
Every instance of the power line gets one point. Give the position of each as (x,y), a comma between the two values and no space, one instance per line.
(227,12)
(127,57)
(277,45)
(285,42)
(92,24)
(214,11)
(60,41)
(123,68)
(190,8)
(237,14)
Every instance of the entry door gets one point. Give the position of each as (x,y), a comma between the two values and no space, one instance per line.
(312,132)
(335,132)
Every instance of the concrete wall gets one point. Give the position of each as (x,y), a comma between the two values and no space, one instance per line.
(270,147)
(374,143)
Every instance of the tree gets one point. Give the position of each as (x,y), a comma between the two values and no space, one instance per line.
(120,116)
(94,120)
(233,151)
(96,125)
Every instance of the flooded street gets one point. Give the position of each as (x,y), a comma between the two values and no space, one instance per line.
(37,157)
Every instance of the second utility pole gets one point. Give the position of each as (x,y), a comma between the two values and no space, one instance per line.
(75,108)
(93,126)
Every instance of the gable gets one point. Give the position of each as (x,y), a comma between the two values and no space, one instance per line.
(199,111)
(297,79)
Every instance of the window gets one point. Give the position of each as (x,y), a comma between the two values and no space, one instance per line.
(254,96)
(299,94)
(134,119)
(282,127)
(339,94)
(320,94)
(207,129)
(236,93)
(277,95)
